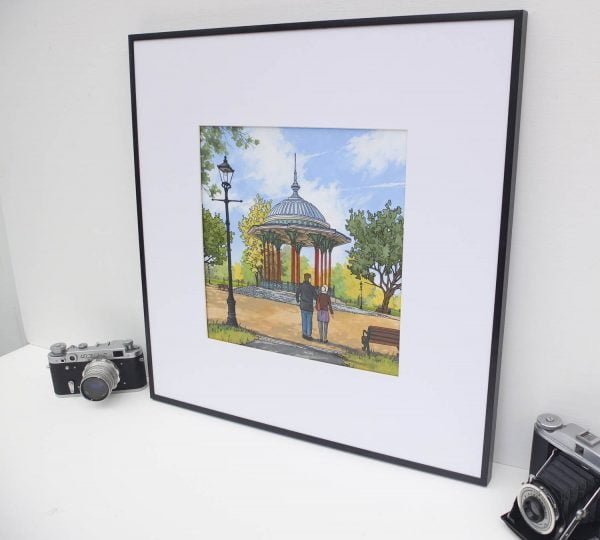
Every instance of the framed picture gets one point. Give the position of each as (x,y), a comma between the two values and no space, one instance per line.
(324,218)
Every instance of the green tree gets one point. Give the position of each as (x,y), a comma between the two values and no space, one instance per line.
(286,267)
(347,287)
(219,272)
(377,251)
(237,272)
(213,144)
(247,274)
(306,268)
(214,235)
(252,256)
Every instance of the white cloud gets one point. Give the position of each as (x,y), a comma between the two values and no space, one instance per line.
(334,205)
(270,164)
(383,185)
(328,199)
(376,150)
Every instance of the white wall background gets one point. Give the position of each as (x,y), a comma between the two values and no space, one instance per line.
(11,325)
(67,182)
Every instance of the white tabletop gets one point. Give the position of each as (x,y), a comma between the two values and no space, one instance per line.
(131,467)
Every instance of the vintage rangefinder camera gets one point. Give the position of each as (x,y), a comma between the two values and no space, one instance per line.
(95,371)
(561,498)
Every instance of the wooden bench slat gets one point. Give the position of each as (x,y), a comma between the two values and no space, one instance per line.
(381,335)
(384,336)
(384,328)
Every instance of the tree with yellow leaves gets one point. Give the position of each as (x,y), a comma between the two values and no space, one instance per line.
(253,252)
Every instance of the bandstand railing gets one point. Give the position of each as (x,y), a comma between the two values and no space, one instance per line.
(287,286)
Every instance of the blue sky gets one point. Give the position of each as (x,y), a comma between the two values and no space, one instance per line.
(338,169)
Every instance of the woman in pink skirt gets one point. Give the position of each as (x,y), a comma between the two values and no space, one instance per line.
(324,309)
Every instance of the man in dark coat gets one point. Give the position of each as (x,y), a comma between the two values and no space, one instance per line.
(306,294)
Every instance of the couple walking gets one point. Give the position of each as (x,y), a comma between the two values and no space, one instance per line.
(306,294)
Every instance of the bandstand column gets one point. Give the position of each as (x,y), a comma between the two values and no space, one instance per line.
(317,263)
(329,267)
(299,278)
(264,255)
(293,265)
(279,263)
(270,262)
(267,265)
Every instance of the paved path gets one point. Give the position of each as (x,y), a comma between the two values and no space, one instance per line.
(275,345)
(281,321)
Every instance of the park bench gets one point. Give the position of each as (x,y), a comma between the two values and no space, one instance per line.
(381,335)
(222,287)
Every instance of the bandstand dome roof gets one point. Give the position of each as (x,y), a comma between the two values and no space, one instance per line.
(297,220)
(296,211)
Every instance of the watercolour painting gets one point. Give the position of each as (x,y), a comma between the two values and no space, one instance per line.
(316,220)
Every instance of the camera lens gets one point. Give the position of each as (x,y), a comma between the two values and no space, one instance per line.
(538,508)
(94,389)
(534,509)
(100,378)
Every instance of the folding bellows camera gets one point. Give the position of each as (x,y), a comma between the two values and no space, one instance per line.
(561,498)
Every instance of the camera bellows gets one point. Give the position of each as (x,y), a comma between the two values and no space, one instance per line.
(570,484)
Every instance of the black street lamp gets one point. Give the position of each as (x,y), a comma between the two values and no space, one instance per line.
(361,295)
(226,174)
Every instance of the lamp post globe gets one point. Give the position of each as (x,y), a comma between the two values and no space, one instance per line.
(226,173)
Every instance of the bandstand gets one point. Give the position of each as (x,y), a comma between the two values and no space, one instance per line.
(298,223)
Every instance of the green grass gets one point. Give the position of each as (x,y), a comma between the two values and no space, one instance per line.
(377,362)
(231,334)
(380,363)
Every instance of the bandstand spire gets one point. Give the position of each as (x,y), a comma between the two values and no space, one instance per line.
(295,185)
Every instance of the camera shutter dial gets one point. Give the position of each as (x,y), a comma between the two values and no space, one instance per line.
(58,349)
(549,422)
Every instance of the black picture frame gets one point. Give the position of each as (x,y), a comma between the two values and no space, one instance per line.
(519,19)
